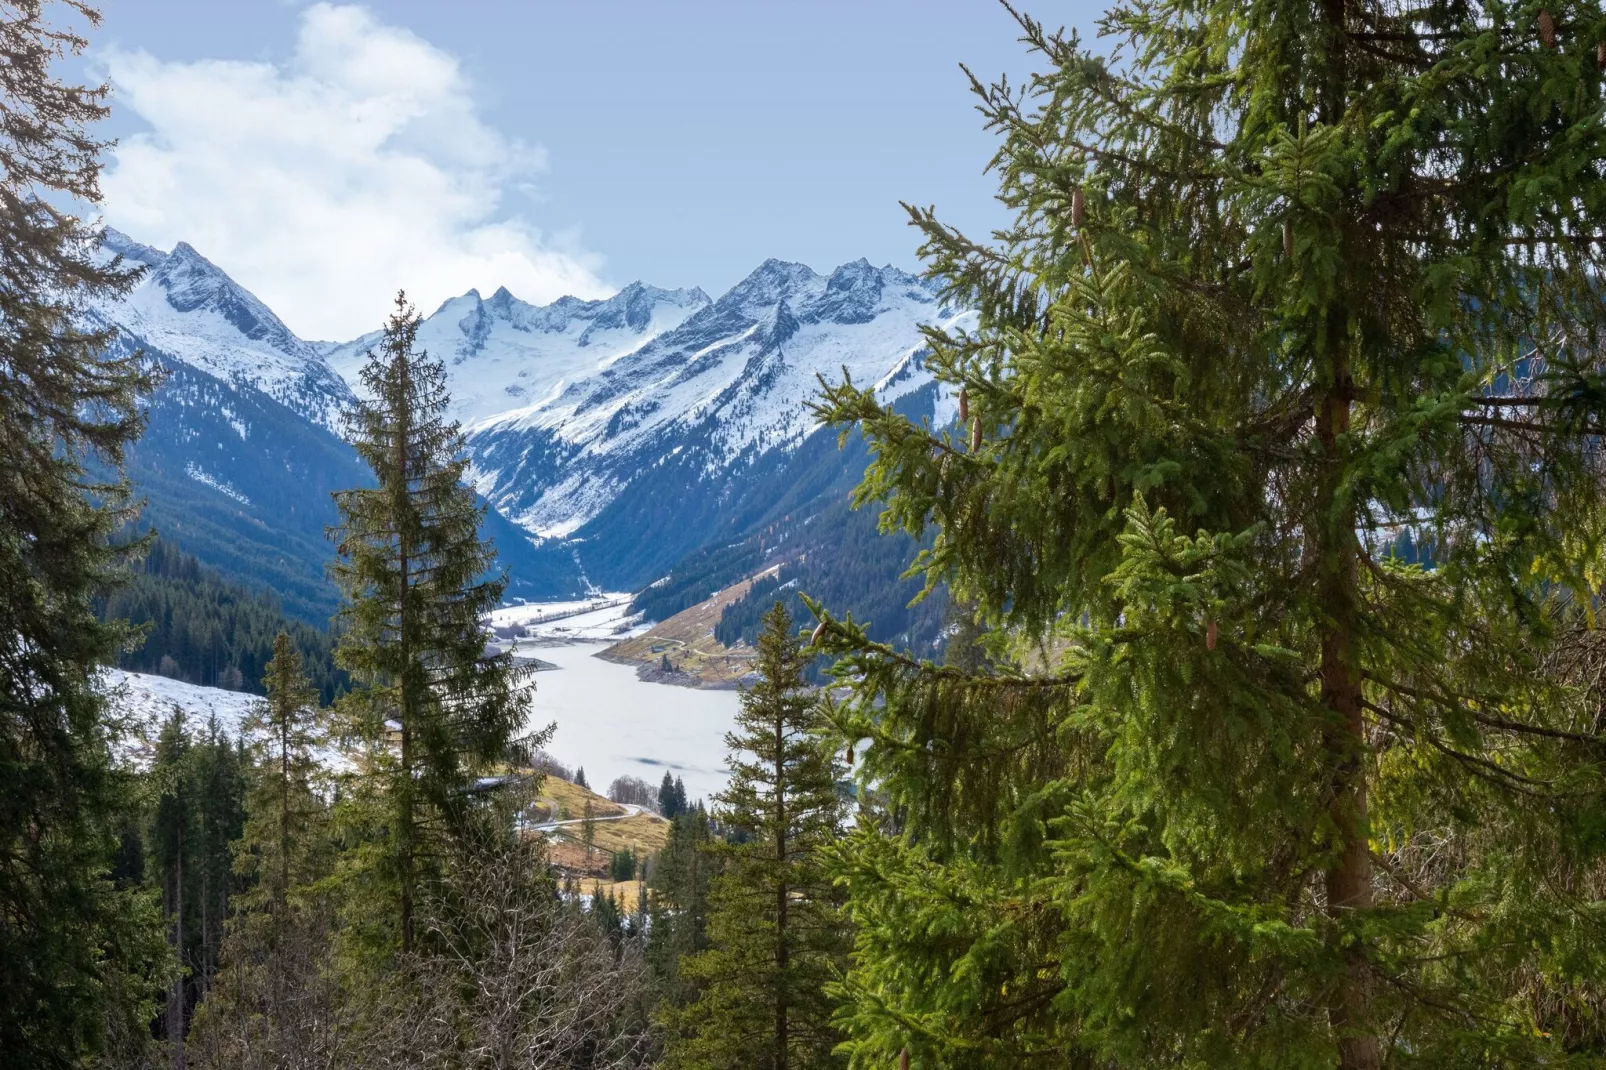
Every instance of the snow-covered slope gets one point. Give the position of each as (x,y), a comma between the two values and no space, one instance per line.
(190,310)
(728,384)
(143,702)
(637,426)
(503,353)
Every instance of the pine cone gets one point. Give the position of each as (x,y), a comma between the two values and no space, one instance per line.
(975,434)
(850,754)
(1547,28)
(1600,55)
(819,630)
(964,406)
(903,1059)
(1288,238)
(1078,206)
(1210,636)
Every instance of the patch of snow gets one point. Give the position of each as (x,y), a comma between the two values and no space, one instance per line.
(200,475)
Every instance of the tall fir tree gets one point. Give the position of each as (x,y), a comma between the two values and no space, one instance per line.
(775,924)
(198,812)
(418,585)
(669,804)
(67,396)
(172,853)
(678,878)
(1278,490)
(277,998)
(282,847)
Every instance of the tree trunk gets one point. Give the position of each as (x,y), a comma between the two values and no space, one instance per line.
(403,504)
(281,897)
(1349,878)
(782,950)
(175,1012)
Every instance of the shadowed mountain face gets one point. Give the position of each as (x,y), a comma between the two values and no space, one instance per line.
(611,437)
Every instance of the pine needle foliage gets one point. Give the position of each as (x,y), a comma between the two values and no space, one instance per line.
(417,580)
(1280,499)
(66,939)
(283,847)
(774,918)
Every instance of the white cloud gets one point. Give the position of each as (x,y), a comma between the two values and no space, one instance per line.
(324,184)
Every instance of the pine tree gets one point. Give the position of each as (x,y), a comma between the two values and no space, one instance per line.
(416,578)
(198,813)
(281,843)
(220,787)
(679,879)
(774,922)
(1250,778)
(67,398)
(580,778)
(173,836)
(668,802)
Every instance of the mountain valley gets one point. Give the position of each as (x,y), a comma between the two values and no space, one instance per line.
(618,442)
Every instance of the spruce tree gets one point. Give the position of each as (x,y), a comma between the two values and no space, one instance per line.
(417,580)
(1277,489)
(67,398)
(679,878)
(281,844)
(774,919)
(669,804)
(172,837)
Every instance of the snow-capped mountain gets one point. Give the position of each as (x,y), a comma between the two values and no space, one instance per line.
(503,353)
(618,435)
(188,309)
(728,384)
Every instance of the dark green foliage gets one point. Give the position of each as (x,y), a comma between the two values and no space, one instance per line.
(678,880)
(283,845)
(775,929)
(671,796)
(699,576)
(844,561)
(580,778)
(1228,782)
(414,572)
(72,946)
(202,628)
(622,866)
(199,811)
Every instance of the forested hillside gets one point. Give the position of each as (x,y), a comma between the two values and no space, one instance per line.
(799,515)
(198,627)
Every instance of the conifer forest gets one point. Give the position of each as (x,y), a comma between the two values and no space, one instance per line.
(1219,681)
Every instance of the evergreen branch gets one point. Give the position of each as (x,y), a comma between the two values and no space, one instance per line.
(1459,702)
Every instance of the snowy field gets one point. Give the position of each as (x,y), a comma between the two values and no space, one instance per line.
(146,701)
(604,618)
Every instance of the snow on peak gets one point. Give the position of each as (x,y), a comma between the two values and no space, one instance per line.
(502,353)
(190,310)
(733,377)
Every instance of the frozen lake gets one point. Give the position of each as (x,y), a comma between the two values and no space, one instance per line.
(615,725)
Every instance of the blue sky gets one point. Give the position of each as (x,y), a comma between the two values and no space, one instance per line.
(325,154)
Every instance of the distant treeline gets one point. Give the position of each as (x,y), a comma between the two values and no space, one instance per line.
(846,563)
(203,629)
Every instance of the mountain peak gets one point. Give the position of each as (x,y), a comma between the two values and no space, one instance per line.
(116,242)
